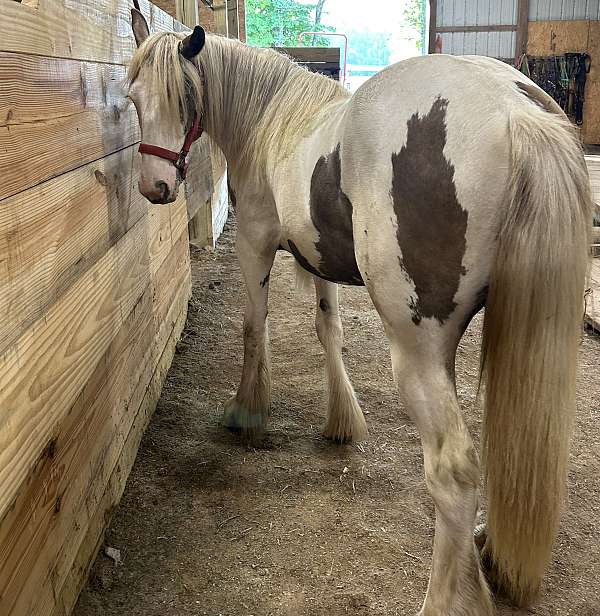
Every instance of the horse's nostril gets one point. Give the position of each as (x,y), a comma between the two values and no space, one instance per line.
(164,189)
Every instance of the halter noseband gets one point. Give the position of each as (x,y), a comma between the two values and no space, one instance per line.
(179,159)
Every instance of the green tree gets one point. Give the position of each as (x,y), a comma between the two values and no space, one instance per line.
(414,14)
(277,23)
(370,48)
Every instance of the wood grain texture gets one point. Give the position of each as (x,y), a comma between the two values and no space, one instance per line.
(57,115)
(169,302)
(547,38)
(97,31)
(81,215)
(95,530)
(94,285)
(51,515)
(200,178)
(48,508)
(44,372)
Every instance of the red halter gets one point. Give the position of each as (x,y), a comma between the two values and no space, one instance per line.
(177,158)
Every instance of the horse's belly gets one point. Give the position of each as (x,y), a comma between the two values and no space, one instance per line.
(323,243)
(327,259)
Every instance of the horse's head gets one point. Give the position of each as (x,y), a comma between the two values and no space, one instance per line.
(166,89)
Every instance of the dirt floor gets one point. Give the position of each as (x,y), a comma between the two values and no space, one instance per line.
(300,526)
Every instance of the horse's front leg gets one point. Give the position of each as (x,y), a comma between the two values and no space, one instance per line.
(345,420)
(248,410)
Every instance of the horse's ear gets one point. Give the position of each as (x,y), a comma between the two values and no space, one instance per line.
(192,45)
(140,26)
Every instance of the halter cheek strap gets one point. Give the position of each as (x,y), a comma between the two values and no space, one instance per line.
(179,159)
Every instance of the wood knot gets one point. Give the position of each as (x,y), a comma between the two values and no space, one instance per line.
(102,179)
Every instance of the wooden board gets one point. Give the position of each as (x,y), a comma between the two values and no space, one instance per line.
(42,374)
(57,115)
(84,30)
(82,214)
(95,530)
(312,54)
(324,60)
(94,284)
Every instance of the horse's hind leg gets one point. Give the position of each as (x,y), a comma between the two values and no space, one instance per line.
(423,368)
(345,420)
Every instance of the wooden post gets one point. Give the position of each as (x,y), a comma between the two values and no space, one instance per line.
(186,12)
(432,25)
(221,19)
(233,21)
(522,30)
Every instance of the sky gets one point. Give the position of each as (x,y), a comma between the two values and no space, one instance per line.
(380,16)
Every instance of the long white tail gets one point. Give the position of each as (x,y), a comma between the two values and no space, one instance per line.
(531,337)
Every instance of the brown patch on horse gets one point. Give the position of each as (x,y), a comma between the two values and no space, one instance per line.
(331,214)
(302,260)
(540,98)
(431,222)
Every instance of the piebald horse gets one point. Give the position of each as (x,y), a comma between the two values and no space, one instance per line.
(443,185)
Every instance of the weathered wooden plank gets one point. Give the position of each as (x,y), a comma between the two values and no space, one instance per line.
(179,218)
(35,88)
(82,214)
(44,372)
(31,154)
(522,27)
(57,115)
(98,31)
(199,180)
(159,235)
(186,12)
(92,298)
(493,28)
(68,30)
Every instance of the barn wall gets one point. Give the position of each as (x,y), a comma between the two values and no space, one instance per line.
(545,10)
(548,38)
(94,284)
(453,13)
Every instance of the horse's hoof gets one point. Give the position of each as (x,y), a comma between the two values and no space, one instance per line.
(239,419)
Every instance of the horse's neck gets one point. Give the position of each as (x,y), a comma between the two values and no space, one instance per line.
(233,110)
(246,114)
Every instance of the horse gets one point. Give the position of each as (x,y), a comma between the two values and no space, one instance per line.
(443,185)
